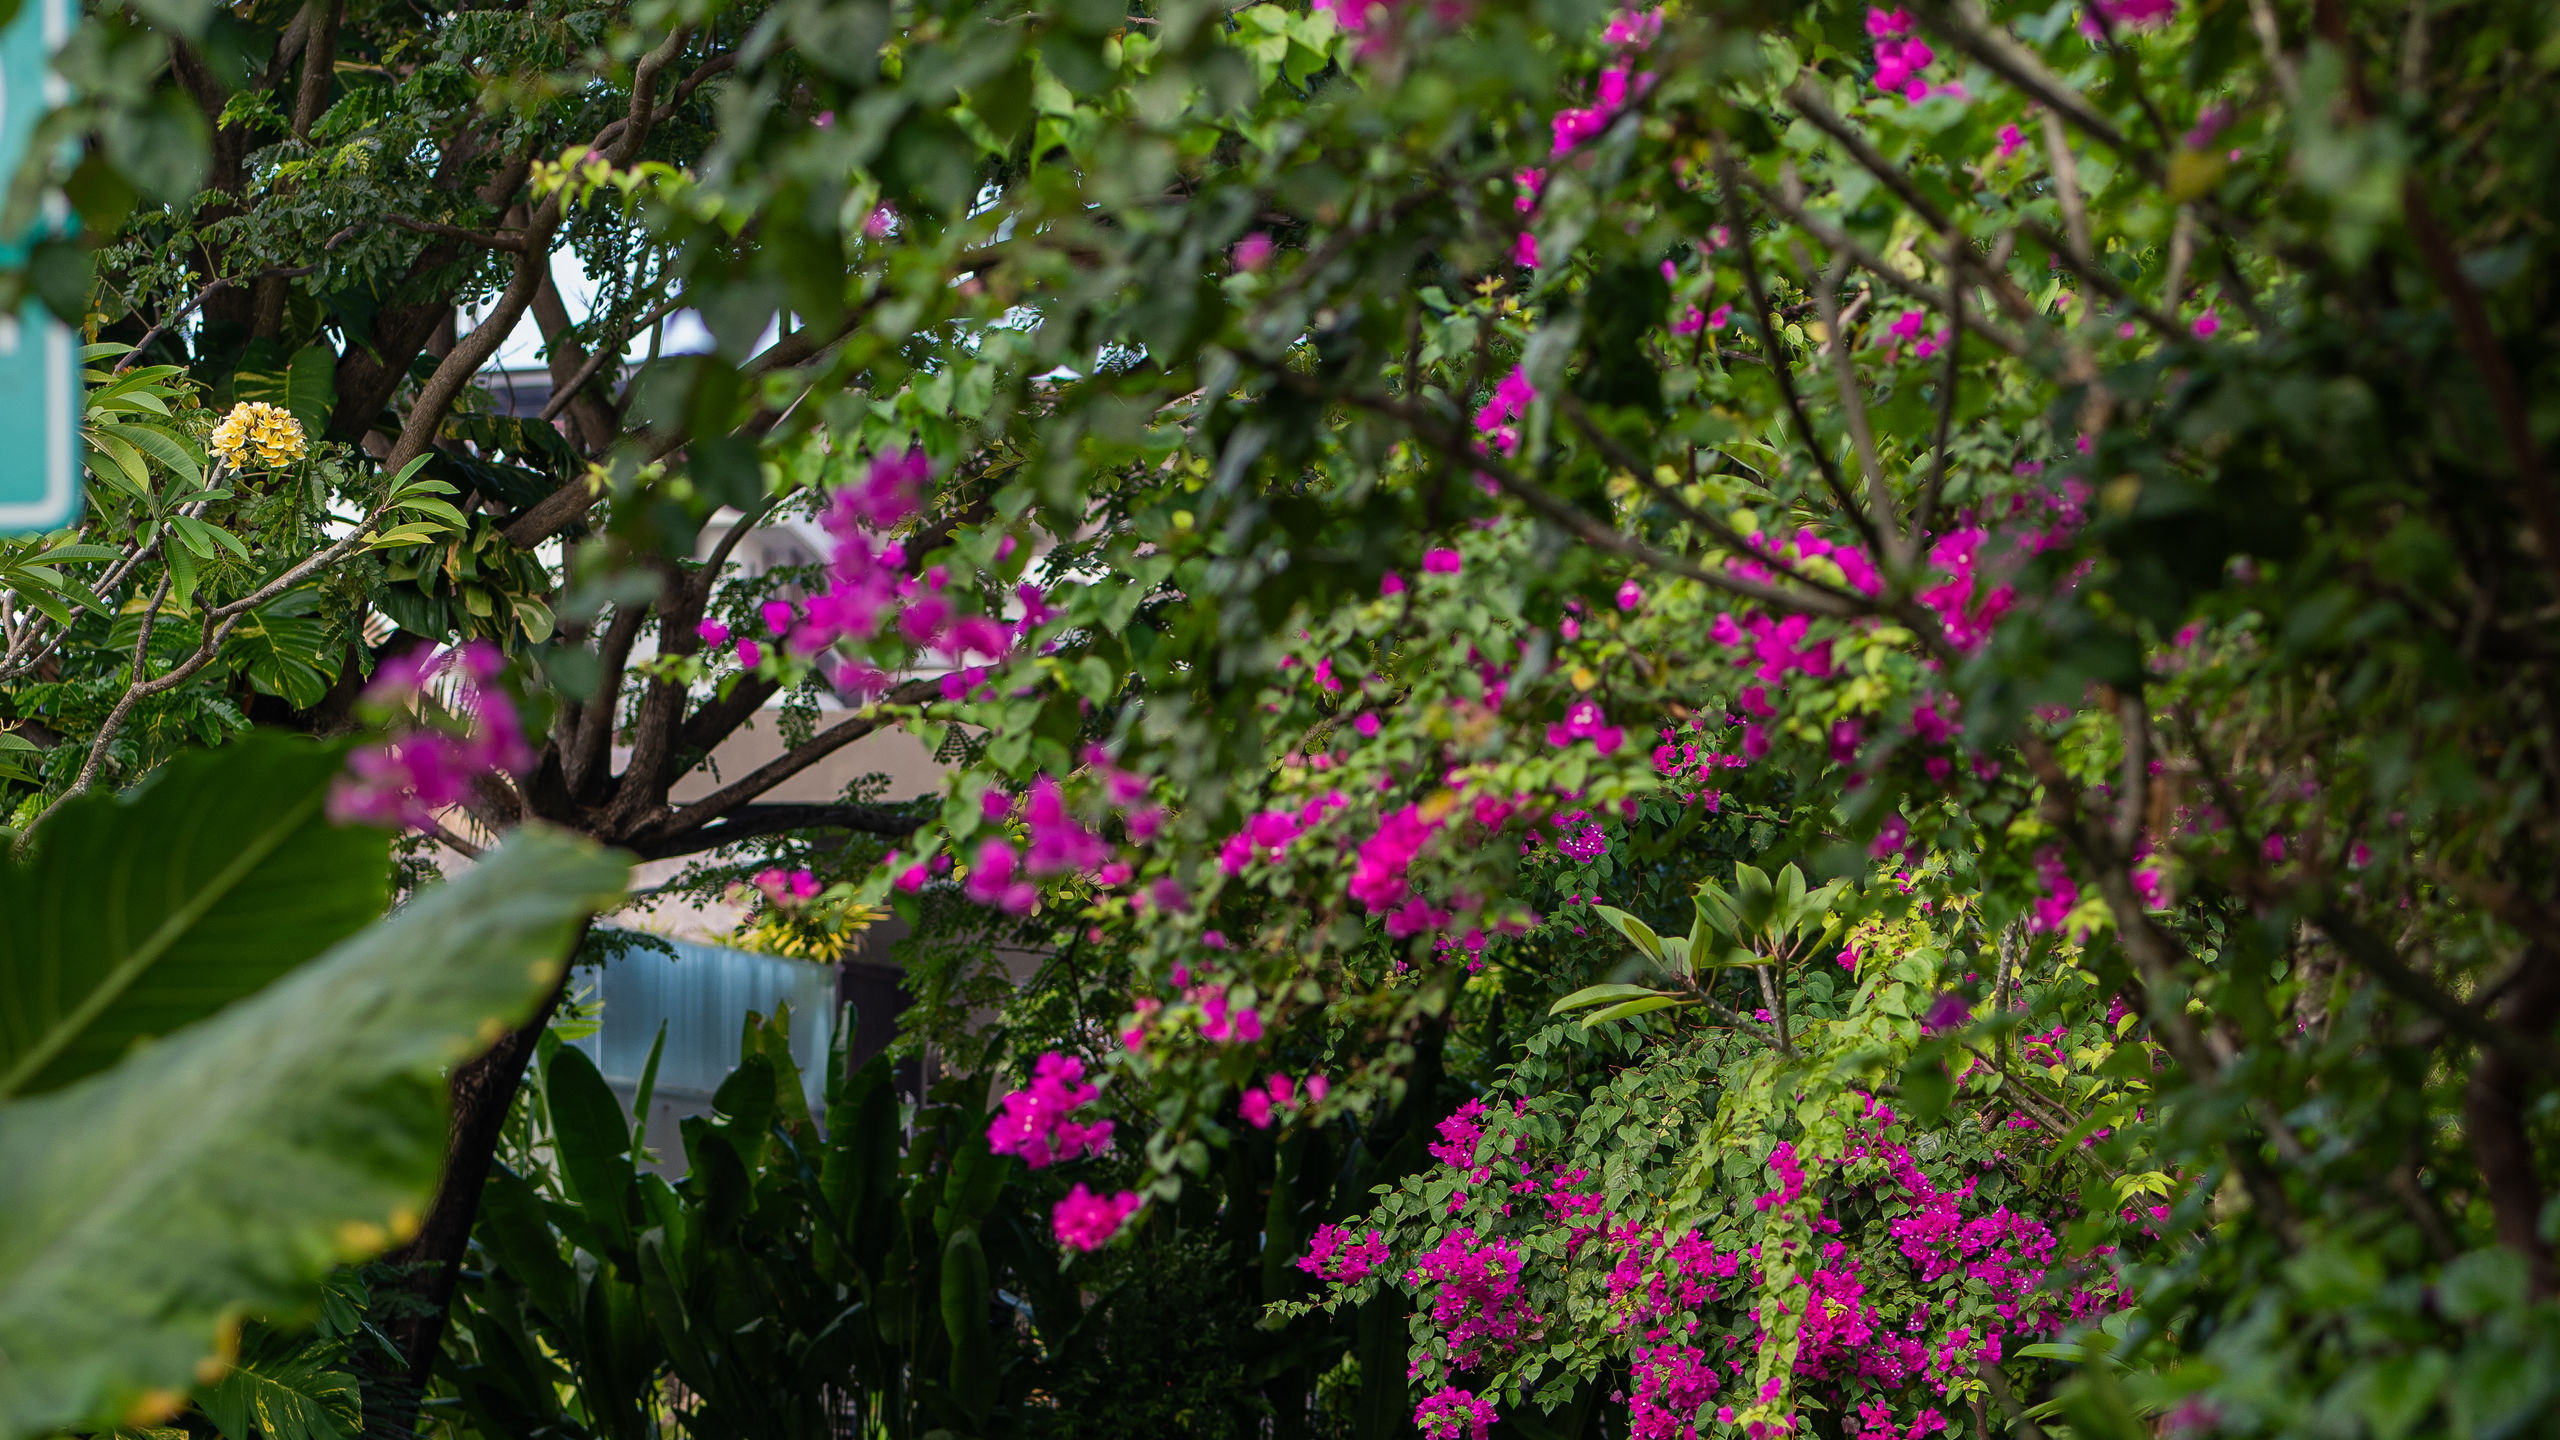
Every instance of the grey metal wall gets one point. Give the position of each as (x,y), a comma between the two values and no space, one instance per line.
(702,994)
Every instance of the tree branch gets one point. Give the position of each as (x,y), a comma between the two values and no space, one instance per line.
(513,243)
(711,807)
(1773,347)
(750,822)
(2497,374)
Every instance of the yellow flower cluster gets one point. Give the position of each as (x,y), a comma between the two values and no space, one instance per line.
(256,430)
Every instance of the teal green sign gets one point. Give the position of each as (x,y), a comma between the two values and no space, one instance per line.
(39,356)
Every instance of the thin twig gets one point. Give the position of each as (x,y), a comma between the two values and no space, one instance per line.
(1853,409)
(1450,440)
(273,272)
(514,242)
(219,622)
(561,397)
(2065,168)
(1772,346)
(1725,535)
(1840,242)
(1925,514)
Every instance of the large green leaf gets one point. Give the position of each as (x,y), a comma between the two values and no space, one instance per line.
(142,912)
(222,1170)
(284,1388)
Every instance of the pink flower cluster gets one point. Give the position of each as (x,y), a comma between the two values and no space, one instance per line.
(1677,758)
(1459,1132)
(1448,1413)
(1693,1273)
(992,880)
(2062,893)
(1790,1172)
(1033,1122)
(406,780)
(1268,834)
(863,575)
(1901,56)
(1279,1095)
(1086,1221)
(1058,842)
(1479,1304)
(1629,31)
(1337,1255)
(1222,1020)
(1583,720)
(1379,878)
(1673,1382)
(1961,602)
(2136,13)
(1496,418)
(1907,329)
(786,889)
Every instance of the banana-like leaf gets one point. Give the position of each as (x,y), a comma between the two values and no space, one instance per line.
(146,911)
(1590,995)
(224,1169)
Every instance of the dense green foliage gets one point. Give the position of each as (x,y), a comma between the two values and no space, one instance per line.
(2069,480)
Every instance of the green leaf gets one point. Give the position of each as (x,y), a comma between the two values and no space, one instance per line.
(1633,1008)
(1590,995)
(416,532)
(225,1168)
(165,446)
(286,649)
(2392,1394)
(1634,929)
(1755,898)
(534,616)
(311,387)
(593,1137)
(143,912)
(284,1390)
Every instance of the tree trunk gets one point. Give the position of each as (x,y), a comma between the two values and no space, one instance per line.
(483,1092)
(2493,1110)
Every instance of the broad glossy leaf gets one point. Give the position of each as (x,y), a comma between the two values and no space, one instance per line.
(1591,995)
(593,1137)
(1634,929)
(226,1168)
(142,912)
(1633,1008)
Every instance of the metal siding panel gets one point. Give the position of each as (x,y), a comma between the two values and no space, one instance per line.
(703,994)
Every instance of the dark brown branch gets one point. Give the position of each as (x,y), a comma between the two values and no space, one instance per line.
(750,822)
(319,65)
(487,240)
(711,807)
(2368,951)
(583,768)
(2494,1107)
(2497,375)
(650,772)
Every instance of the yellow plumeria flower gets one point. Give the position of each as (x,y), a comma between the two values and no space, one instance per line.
(260,432)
